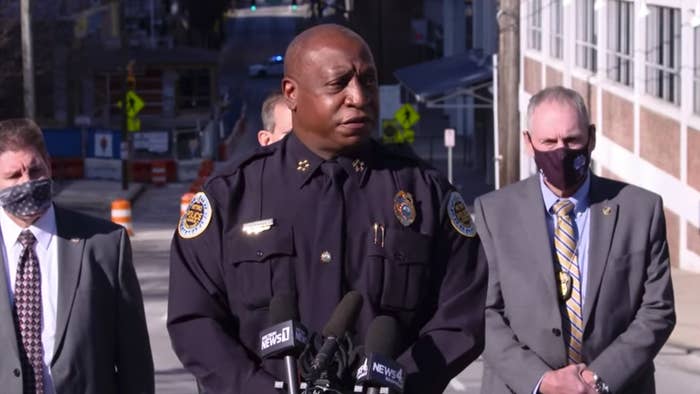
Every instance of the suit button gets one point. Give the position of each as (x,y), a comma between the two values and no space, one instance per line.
(17,372)
(259,253)
(556,331)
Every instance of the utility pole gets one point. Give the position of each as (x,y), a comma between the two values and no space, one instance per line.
(508,83)
(128,77)
(27,58)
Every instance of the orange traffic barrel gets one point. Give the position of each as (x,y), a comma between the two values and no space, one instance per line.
(121,214)
(185,202)
(158,174)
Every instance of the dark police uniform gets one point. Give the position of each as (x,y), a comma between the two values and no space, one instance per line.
(397,232)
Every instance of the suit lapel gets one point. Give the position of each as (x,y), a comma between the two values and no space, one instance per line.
(534,218)
(70,259)
(603,216)
(8,333)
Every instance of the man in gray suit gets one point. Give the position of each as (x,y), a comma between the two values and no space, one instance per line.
(71,312)
(580,297)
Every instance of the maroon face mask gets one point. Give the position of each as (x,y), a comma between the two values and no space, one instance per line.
(564,168)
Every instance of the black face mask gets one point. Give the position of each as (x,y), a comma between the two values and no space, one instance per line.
(28,199)
(564,168)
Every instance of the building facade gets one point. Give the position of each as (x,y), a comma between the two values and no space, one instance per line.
(637,64)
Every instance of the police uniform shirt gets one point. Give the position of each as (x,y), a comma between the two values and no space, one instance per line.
(408,246)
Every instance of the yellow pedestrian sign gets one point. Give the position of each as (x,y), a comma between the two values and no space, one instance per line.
(406,116)
(393,133)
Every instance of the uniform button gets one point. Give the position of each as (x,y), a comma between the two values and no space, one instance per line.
(259,253)
(398,256)
(326,257)
(556,331)
(17,372)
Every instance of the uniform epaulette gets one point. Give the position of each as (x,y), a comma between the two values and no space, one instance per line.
(400,150)
(403,151)
(232,166)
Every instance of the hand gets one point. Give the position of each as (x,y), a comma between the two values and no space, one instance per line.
(587,376)
(567,380)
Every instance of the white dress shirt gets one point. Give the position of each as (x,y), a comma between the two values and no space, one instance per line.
(44,230)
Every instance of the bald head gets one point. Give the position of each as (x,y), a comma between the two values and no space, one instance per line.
(313,38)
(330,85)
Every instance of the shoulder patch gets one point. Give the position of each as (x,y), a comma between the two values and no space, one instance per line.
(459,216)
(196,218)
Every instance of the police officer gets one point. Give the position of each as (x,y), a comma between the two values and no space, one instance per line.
(325,211)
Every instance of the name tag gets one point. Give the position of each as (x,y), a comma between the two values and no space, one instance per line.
(252,228)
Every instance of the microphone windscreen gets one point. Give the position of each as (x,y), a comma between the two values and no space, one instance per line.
(383,337)
(343,315)
(283,307)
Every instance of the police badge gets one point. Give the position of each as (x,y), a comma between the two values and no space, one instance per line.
(404,210)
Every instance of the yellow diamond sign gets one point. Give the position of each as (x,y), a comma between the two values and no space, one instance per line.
(406,116)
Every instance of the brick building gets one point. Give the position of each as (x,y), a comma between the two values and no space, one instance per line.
(637,64)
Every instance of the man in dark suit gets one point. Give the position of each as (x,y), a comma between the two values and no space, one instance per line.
(580,297)
(72,318)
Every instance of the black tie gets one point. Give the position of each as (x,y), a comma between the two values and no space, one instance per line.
(330,236)
(28,313)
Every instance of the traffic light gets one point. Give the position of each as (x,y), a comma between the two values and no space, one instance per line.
(253,7)
(294,5)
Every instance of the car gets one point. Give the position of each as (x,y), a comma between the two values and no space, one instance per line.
(273,67)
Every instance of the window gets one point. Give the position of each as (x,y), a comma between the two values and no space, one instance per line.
(663,53)
(556,29)
(586,35)
(621,42)
(534,27)
(696,73)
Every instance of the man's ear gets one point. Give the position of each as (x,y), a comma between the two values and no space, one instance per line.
(264,137)
(592,137)
(527,141)
(289,90)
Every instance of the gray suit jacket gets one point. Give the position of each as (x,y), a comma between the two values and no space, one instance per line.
(628,309)
(101,338)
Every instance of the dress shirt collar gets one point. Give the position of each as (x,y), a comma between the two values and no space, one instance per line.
(579,198)
(43,228)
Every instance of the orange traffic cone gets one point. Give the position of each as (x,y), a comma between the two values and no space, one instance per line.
(121,214)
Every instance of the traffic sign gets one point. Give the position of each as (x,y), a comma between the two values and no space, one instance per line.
(449,138)
(407,116)
(134,104)
(133,124)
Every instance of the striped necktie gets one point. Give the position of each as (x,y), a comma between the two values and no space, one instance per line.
(569,278)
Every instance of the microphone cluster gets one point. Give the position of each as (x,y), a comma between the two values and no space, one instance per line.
(287,338)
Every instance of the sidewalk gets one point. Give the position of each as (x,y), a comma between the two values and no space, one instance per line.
(94,196)
(686,288)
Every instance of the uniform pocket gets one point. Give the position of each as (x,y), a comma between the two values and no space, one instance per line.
(252,262)
(406,269)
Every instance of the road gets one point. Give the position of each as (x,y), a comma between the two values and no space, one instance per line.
(252,37)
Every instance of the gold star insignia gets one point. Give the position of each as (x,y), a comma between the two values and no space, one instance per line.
(358,165)
(303,165)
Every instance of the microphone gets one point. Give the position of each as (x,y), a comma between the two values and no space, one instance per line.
(379,373)
(285,338)
(343,315)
